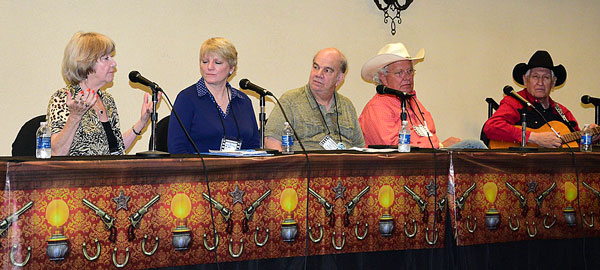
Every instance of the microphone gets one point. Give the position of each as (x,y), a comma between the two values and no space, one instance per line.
(587,100)
(382,89)
(246,84)
(136,77)
(509,91)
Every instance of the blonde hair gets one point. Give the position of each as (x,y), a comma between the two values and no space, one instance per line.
(81,54)
(221,47)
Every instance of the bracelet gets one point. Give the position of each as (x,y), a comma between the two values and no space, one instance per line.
(135,132)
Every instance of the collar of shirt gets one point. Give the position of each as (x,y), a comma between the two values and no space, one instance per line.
(202,90)
(314,105)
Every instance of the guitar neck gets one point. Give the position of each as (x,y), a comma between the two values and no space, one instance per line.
(574,136)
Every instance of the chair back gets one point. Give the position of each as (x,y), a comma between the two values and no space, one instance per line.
(492,106)
(24,144)
(162,134)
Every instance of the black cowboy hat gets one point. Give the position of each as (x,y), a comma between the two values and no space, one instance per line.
(540,59)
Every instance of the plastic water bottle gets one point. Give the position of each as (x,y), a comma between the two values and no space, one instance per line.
(586,139)
(287,139)
(404,138)
(42,145)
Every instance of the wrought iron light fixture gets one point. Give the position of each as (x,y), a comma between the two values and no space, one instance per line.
(394,8)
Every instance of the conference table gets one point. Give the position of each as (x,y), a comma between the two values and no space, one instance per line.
(134,212)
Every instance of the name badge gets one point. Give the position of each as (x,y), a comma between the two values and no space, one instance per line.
(422,131)
(230,145)
(328,143)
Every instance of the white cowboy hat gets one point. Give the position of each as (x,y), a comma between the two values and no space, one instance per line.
(390,53)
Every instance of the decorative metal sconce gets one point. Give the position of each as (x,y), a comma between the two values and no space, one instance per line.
(392,6)
(57,213)
(569,211)
(492,216)
(181,206)
(386,221)
(289,201)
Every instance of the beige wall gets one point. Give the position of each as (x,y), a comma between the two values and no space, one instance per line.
(471,47)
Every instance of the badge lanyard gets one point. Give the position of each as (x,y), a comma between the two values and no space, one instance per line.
(421,129)
(228,144)
(327,141)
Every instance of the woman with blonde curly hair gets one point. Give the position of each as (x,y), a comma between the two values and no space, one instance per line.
(82,116)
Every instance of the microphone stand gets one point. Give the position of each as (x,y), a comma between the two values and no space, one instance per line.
(523,146)
(263,120)
(597,113)
(153,118)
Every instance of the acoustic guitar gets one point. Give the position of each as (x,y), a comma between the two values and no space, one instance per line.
(570,137)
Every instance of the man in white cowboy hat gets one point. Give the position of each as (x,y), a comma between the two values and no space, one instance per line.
(380,120)
(321,117)
(538,76)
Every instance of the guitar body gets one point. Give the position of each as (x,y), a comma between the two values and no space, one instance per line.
(562,129)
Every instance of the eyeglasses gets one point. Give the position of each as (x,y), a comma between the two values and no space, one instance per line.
(400,73)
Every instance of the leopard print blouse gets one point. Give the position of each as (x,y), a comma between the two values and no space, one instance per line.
(90,137)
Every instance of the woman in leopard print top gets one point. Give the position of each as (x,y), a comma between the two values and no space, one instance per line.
(83,118)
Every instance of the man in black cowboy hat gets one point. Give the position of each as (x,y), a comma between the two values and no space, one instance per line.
(538,76)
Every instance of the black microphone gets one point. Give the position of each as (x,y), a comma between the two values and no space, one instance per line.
(382,89)
(509,91)
(587,100)
(246,84)
(136,77)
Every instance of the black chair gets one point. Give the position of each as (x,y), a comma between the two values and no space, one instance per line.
(24,144)
(162,134)
(492,106)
